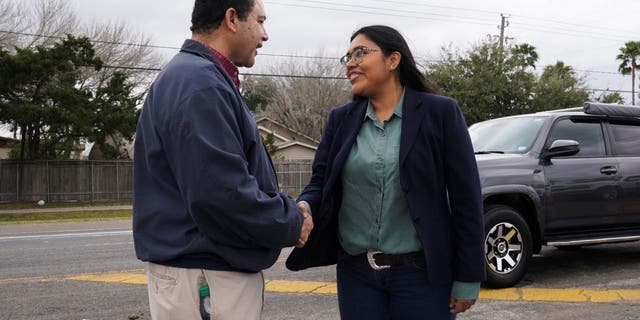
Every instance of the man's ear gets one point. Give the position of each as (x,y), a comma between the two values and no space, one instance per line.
(231,19)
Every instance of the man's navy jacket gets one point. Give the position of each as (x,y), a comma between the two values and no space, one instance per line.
(205,193)
(438,174)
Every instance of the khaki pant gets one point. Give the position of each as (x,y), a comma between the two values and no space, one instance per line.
(173,293)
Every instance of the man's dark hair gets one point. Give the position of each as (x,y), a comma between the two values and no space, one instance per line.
(208,14)
(390,40)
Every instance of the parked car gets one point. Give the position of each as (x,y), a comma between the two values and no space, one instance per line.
(564,178)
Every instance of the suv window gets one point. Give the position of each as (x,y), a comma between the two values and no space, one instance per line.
(588,134)
(626,138)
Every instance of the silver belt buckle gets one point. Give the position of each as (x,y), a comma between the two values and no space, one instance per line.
(372,260)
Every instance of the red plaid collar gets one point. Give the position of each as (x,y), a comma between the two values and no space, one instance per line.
(228,67)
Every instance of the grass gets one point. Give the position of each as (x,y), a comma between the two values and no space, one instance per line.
(71,216)
(34,205)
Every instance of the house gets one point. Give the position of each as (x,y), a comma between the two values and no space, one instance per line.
(5,146)
(289,144)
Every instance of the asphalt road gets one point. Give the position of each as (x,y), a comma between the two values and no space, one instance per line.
(35,261)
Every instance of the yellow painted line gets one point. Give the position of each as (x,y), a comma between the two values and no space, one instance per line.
(123,278)
(510,294)
(329,288)
(25,280)
(68,277)
(574,295)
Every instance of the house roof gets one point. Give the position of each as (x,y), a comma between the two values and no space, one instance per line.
(5,140)
(296,143)
(296,135)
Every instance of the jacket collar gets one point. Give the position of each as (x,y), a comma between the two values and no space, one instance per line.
(412,116)
(198,48)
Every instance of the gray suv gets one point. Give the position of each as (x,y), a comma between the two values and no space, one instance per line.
(565,178)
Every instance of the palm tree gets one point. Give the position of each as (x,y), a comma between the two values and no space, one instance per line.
(630,62)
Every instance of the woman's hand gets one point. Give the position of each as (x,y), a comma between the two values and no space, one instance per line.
(458,305)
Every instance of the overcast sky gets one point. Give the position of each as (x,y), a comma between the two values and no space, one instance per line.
(585,34)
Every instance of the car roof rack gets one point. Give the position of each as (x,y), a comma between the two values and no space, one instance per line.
(610,109)
(575,109)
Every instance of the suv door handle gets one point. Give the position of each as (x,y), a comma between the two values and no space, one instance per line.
(609,170)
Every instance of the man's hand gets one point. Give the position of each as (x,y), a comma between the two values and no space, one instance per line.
(307,224)
(459,306)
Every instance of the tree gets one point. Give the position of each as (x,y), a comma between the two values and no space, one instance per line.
(40,96)
(269,142)
(257,93)
(115,116)
(559,87)
(491,82)
(612,98)
(10,19)
(629,57)
(49,21)
(487,81)
(303,103)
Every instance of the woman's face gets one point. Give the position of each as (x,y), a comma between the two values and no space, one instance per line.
(368,68)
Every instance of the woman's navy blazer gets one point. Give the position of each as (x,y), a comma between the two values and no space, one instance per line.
(438,174)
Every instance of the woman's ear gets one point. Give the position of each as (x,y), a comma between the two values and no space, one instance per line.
(393,61)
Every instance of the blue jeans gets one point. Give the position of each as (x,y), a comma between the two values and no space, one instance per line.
(399,293)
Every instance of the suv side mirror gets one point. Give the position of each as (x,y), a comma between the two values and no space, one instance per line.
(562,148)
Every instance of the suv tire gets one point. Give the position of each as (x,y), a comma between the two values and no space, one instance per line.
(508,246)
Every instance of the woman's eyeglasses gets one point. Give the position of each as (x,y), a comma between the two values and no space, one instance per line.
(356,56)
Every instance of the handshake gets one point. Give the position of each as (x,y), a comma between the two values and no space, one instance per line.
(307,223)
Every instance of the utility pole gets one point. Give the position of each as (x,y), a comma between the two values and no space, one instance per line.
(503,24)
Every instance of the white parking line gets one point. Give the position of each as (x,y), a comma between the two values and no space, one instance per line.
(66,235)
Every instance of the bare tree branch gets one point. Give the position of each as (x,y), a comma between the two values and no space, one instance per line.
(303,104)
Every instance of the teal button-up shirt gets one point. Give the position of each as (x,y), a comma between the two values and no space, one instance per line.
(375,212)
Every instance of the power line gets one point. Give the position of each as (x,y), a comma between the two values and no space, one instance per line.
(466,20)
(421,13)
(579,34)
(177,48)
(92,40)
(158,47)
(274,75)
(449,18)
(584,26)
(438,6)
(599,27)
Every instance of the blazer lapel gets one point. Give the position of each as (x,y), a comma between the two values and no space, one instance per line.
(412,116)
(347,133)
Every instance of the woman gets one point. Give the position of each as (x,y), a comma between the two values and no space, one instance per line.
(395,193)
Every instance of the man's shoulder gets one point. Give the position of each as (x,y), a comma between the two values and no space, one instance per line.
(187,73)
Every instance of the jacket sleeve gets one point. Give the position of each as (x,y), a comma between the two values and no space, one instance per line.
(465,198)
(207,153)
(312,193)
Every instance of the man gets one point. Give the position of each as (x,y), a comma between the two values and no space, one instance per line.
(206,199)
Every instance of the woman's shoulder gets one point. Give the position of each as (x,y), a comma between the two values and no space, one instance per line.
(343,109)
(436,99)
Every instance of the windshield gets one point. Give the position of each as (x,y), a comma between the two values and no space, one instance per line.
(509,135)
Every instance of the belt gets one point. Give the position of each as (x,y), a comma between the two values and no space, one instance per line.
(378,260)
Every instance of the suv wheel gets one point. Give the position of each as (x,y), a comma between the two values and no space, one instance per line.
(508,246)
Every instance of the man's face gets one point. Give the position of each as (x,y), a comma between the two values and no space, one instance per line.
(251,34)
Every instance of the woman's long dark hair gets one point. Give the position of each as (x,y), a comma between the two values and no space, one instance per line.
(390,40)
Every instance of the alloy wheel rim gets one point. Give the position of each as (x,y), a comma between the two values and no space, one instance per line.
(503,248)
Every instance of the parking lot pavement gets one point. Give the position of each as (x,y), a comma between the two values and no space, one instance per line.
(92,273)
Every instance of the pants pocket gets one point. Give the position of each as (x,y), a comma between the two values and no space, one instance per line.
(161,277)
